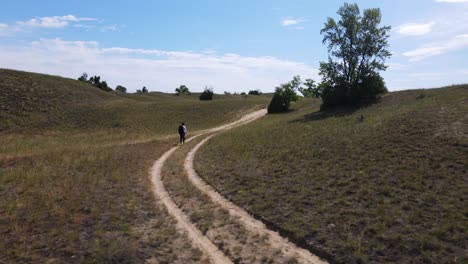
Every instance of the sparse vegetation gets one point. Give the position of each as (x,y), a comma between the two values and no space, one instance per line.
(381,184)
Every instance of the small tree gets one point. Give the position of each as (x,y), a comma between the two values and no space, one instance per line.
(96,81)
(284,95)
(207,94)
(138,91)
(83,77)
(255,92)
(120,88)
(182,90)
(357,49)
(144,90)
(311,89)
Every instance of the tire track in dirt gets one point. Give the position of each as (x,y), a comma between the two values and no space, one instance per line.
(185,224)
(252,224)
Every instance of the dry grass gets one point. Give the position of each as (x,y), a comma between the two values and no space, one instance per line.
(74,161)
(382,184)
(85,206)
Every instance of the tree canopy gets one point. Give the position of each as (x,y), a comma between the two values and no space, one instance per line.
(96,81)
(357,48)
(182,90)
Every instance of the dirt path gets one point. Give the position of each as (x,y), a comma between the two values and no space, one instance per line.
(183,222)
(195,235)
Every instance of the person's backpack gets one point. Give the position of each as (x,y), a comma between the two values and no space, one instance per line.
(181,129)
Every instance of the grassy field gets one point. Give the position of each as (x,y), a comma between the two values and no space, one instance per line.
(74,161)
(386,183)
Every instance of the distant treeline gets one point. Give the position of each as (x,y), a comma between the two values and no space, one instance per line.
(96,81)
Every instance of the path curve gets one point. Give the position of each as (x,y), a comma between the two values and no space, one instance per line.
(302,255)
(184,223)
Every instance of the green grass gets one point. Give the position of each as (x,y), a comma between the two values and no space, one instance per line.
(74,162)
(390,187)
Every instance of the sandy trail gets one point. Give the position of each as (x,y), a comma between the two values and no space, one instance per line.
(195,235)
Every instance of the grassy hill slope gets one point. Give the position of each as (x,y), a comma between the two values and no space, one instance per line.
(36,102)
(74,162)
(383,184)
(40,111)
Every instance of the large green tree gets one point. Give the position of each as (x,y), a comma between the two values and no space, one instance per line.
(357,47)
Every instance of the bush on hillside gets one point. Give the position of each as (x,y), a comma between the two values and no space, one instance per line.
(255,92)
(83,77)
(207,94)
(182,90)
(283,96)
(120,88)
(95,81)
(144,89)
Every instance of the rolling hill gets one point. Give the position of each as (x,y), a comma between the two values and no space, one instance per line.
(74,163)
(386,183)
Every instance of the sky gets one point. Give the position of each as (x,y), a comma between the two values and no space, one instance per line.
(230,45)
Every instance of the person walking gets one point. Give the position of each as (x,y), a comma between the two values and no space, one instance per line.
(182,133)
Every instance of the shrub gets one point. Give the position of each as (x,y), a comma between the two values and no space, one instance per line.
(207,94)
(120,88)
(182,90)
(255,92)
(283,96)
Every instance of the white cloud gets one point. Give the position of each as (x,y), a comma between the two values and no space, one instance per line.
(456,43)
(415,29)
(3,26)
(156,69)
(84,26)
(452,1)
(110,28)
(291,21)
(53,22)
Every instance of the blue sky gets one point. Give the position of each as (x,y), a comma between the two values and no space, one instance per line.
(230,45)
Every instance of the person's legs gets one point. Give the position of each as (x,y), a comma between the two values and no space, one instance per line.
(181,138)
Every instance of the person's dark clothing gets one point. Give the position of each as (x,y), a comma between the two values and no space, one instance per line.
(182,132)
